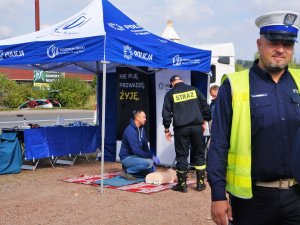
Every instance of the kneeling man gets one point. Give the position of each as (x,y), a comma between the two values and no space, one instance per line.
(136,157)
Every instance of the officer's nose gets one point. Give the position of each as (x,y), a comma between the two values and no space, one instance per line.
(280,47)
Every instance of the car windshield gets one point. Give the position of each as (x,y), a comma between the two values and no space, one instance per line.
(24,105)
(41,102)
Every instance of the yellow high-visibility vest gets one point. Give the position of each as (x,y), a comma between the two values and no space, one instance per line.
(238,174)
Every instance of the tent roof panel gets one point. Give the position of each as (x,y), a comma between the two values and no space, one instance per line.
(83,24)
(101,32)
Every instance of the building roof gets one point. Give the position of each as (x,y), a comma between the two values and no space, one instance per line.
(27,75)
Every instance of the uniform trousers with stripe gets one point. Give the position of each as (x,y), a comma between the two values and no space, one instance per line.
(189,139)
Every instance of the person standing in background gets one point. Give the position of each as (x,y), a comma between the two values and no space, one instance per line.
(213,93)
(187,107)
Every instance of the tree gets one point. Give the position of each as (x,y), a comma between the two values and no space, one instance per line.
(5,85)
(73,92)
(256,56)
(239,67)
(12,94)
(293,64)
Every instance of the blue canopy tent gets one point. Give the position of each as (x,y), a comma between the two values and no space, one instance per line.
(96,39)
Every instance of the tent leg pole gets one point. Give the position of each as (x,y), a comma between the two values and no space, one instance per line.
(103,122)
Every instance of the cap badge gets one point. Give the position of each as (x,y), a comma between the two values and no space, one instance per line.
(289,19)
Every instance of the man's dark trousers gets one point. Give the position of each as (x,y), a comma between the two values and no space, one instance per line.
(269,206)
(186,137)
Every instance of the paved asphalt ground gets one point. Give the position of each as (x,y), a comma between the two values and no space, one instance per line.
(43,117)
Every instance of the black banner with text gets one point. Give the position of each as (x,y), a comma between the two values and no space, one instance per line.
(133,94)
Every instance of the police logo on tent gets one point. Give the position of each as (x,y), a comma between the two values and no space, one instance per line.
(128,52)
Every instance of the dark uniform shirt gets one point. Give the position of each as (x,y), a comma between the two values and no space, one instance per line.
(275,118)
(186,105)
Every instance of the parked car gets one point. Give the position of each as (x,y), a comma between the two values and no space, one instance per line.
(52,99)
(49,102)
(40,103)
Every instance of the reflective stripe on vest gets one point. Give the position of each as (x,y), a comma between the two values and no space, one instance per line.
(238,174)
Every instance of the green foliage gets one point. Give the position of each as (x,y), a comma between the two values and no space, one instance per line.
(245,64)
(94,83)
(73,92)
(5,85)
(12,94)
(293,64)
(239,67)
(256,55)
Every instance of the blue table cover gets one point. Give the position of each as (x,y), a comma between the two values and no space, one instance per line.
(60,141)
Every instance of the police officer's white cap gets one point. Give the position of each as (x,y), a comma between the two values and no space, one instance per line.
(279,25)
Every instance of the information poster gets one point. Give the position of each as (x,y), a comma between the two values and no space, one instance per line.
(133,94)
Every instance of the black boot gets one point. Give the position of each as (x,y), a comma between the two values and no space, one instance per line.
(200,180)
(181,181)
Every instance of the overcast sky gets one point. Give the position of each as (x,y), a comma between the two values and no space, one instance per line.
(195,21)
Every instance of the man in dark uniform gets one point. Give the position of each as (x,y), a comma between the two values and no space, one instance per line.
(188,108)
(254,127)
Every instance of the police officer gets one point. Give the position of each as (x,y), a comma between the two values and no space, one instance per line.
(188,109)
(256,119)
